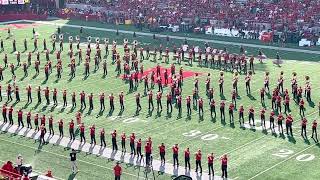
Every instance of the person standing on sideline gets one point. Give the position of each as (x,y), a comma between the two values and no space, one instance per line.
(73,159)
(175,151)
(210,163)
(198,161)
(187,158)
(224,166)
(117,171)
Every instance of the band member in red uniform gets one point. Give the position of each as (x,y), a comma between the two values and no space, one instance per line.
(29,94)
(195,96)
(121,101)
(262,94)
(280,119)
(200,104)
(138,104)
(159,104)
(280,81)
(304,127)
(289,120)
(278,103)
(148,152)
(36,122)
(93,134)
(286,104)
(187,158)
(251,116)
(20,116)
(234,97)
(198,161)
(188,99)
(224,166)
(222,112)
(17,94)
(179,105)
(301,107)
(82,130)
(46,94)
(231,109)
(78,117)
(114,140)
(132,140)
(210,164)
(39,94)
(102,138)
(123,142)
(139,144)
(150,100)
(9,91)
(10,112)
(169,103)
(263,118)
(272,114)
(54,96)
(146,83)
(314,131)
(241,115)
(51,125)
(102,106)
(111,101)
(175,154)
(162,151)
(248,80)
(83,100)
(60,124)
(4,113)
(43,131)
(71,130)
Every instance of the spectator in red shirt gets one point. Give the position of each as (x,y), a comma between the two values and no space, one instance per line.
(117,171)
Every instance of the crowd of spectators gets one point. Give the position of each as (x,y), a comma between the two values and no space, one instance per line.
(283,14)
(12,171)
(8,170)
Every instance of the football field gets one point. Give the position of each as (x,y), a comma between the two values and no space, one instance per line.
(253,153)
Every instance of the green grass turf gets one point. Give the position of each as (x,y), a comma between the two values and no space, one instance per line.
(250,151)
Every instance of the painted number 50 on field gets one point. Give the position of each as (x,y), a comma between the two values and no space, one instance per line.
(205,137)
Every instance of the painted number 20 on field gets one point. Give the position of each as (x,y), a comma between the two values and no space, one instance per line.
(283,153)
